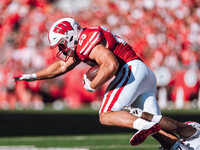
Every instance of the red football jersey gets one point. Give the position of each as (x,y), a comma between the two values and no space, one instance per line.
(92,36)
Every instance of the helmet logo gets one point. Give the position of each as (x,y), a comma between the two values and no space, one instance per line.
(63,27)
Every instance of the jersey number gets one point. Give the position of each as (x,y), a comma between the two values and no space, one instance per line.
(83,36)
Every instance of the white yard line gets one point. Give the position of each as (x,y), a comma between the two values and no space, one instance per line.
(70,138)
(65,138)
(123,147)
(103,147)
(34,148)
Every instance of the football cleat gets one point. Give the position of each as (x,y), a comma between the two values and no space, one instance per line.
(141,135)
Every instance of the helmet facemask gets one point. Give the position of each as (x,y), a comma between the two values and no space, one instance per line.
(64,51)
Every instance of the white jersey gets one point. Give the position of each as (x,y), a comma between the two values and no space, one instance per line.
(194,142)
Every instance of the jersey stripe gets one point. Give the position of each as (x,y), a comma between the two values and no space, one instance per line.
(112,92)
(92,44)
(119,91)
(83,49)
(108,96)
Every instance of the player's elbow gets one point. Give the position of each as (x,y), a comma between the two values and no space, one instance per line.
(116,66)
(63,67)
(113,67)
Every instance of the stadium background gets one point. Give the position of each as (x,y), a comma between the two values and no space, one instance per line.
(164,33)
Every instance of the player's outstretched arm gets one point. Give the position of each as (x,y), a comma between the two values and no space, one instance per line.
(56,69)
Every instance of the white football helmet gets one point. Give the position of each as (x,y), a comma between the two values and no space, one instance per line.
(64,33)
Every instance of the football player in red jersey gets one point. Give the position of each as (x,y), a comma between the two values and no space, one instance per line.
(134,82)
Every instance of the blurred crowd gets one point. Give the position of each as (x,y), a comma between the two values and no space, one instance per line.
(164,33)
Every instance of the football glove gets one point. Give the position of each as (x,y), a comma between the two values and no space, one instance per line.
(25,77)
(87,82)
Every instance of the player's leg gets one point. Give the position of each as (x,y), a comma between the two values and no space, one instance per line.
(169,124)
(125,119)
(124,89)
(122,119)
(184,130)
(148,102)
(133,80)
(119,94)
(189,132)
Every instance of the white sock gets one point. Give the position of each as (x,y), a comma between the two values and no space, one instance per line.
(140,123)
(156,118)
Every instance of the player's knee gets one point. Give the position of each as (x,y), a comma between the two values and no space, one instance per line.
(103,118)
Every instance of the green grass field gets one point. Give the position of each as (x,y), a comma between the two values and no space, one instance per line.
(87,142)
(118,141)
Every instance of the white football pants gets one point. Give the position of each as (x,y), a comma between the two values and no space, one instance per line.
(134,85)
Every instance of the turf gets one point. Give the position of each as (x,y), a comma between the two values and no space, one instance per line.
(92,142)
(86,109)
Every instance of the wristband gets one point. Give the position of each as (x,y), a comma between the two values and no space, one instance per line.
(34,76)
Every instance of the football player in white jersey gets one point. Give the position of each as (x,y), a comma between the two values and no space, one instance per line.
(189,131)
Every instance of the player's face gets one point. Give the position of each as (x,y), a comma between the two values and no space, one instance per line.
(64,52)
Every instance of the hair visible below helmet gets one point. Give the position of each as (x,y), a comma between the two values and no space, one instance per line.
(64,33)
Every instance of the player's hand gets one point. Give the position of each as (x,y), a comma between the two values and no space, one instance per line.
(135,111)
(87,82)
(25,77)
